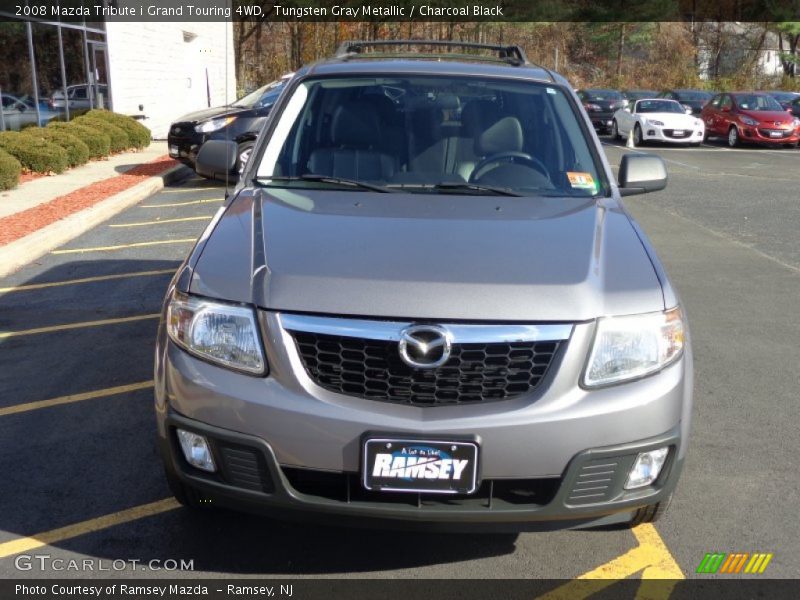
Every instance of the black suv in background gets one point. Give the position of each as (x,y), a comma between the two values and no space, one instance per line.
(601,106)
(694,99)
(238,122)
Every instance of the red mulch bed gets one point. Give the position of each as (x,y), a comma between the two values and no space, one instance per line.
(26,177)
(23,223)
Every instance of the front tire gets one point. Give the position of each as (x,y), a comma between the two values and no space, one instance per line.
(615,131)
(243,152)
(638,138)
(733,137)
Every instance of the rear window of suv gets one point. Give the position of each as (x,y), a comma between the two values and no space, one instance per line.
(432,134)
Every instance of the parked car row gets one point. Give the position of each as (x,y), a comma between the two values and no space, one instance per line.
(686,116)
(20,111)
(239,122)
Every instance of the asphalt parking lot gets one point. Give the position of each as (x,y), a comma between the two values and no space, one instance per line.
(81,477)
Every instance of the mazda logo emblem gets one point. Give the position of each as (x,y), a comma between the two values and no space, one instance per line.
(425,346)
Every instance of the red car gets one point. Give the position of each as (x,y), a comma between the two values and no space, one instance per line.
(750,117)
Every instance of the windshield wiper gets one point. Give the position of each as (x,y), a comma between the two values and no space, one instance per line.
(458,185)
(373,187)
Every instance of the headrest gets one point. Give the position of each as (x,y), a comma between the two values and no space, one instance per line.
(355,124)
(503,136)
(476,116)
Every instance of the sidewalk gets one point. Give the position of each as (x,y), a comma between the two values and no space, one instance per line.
(46,212)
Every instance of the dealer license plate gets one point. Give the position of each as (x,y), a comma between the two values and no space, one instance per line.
(173,151)
(403,465)
(776,134)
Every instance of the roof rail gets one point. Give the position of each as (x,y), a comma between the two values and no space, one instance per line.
(508,53)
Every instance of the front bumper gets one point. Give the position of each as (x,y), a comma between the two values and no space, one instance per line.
(763,135)
(305,441)
(250,478)
(601,121)
(652,133)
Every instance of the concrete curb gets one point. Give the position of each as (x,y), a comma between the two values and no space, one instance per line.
(25,250)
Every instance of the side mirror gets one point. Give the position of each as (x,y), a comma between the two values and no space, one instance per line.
(641,173)
(726,109)
(217,160)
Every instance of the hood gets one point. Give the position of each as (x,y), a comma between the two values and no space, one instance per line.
(770,117)
(209,113)
(673,120)
(441,257)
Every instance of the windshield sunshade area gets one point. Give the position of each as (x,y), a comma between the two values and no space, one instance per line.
(432,135)
(658,106)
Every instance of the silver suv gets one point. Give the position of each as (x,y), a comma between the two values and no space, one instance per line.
(424,301)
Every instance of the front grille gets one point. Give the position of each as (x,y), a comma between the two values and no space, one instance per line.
(182,129)
(497,493)
(683,133)
(768,133)
(475,372)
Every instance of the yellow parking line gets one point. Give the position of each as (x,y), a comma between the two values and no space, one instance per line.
(121,246)
(143,223)
(181,203)
(112,391)
(660,571)
(39,286)
(24,544)
(52,328)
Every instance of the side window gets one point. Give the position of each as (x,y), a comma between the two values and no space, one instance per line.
(727,102)
(79,93)
(715,101)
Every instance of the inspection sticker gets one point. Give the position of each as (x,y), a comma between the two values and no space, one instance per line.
(581,181)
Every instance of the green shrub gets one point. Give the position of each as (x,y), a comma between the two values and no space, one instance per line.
(77,151)
(10,169)
(98,142)
(119,139)
(138,135)
(35,154)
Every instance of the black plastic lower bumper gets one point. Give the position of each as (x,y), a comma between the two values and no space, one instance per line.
(589,492)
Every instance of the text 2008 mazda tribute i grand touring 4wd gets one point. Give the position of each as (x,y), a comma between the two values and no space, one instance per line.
(425,302)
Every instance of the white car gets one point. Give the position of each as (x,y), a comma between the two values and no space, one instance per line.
(657,120)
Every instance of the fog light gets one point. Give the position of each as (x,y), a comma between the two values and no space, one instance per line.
(646,468)
(196,451)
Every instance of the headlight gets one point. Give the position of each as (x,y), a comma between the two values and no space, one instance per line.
(214,124)
(225,334)
(656,123)
(633,346)
(748,121)
(698,123)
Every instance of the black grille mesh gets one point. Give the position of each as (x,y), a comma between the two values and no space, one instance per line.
(373,369)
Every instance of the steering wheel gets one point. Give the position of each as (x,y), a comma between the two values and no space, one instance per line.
(522,158)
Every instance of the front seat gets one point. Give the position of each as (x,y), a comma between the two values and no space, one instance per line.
(355,153)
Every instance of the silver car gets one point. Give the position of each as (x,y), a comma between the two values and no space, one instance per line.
(424,302)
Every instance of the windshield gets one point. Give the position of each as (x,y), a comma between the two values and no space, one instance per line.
(432,134)
(602,95)
(639,94)
(693,96)
(263,96)
(659,106)
(757,102)
(784,96)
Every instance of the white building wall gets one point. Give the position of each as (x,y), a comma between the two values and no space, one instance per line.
(164,70)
